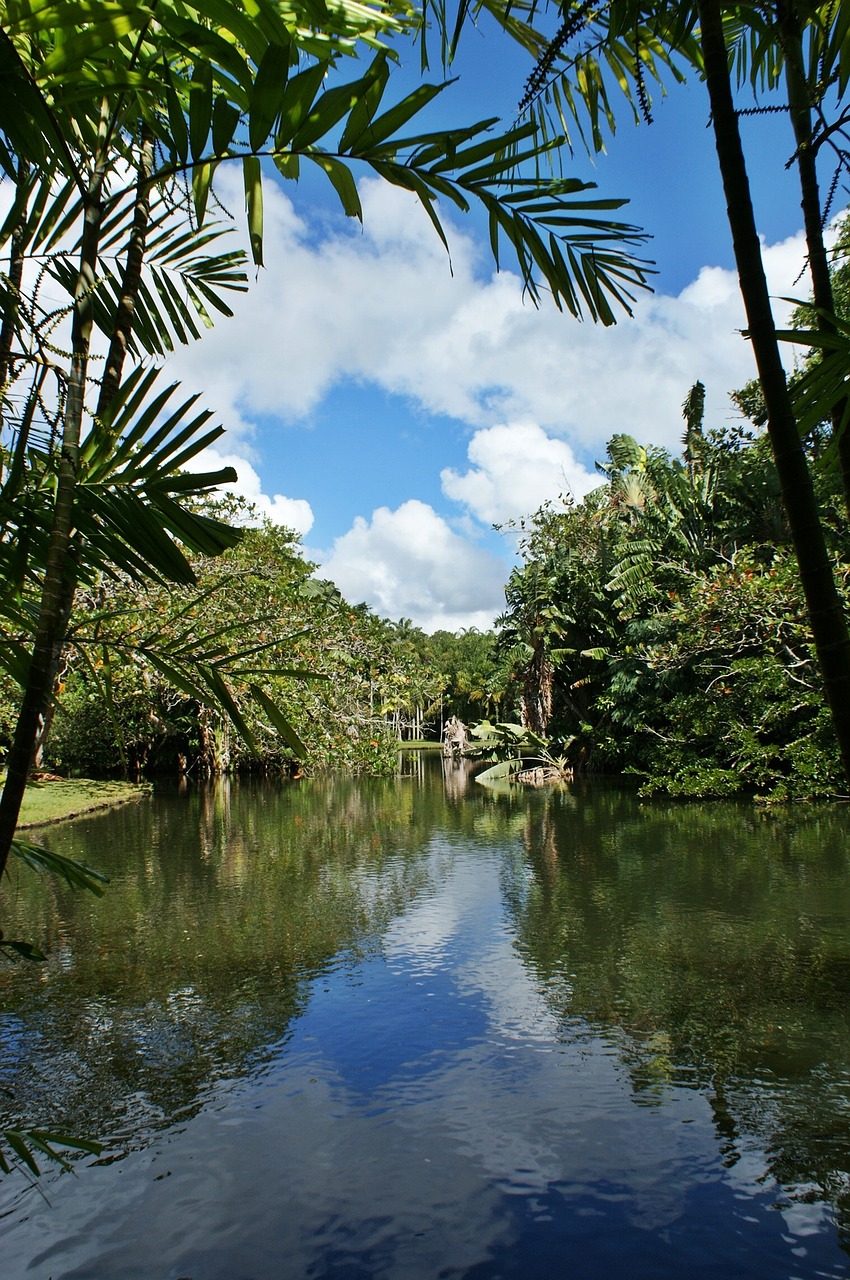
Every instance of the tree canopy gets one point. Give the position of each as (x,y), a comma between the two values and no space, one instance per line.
(679,648)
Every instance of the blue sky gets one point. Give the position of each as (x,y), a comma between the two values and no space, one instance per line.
(393,409)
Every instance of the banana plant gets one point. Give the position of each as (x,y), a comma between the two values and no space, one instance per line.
(519,755)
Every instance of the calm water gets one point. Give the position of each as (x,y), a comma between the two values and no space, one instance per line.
(415,1029)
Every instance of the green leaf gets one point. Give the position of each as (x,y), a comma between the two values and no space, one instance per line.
(288,165)
(267,99)
(370,93)
(225,118)
(75,874)
(17,1141)
(488,148)
(254,204)
(297,100)
(200,110)
(342,181)
(386,126)
(177,124)
(327,111)
(504,769)
(223,699)
(177,677)
(279,722)
(202,176)
(112,22)
(24,1141)
(76,1141)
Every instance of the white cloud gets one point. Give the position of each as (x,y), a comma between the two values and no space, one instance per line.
(516,467)
(295,513)
(382,306)
(409,563)
(540,393)
(356,304)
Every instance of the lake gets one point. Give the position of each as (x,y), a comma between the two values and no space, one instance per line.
(415,1028)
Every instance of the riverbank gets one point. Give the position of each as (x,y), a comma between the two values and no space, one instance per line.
(56,799)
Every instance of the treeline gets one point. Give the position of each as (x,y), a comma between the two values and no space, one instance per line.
(659,627)
(656,628)
(338,686)
(300,678)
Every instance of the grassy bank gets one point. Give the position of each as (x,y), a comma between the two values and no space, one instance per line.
(55,799)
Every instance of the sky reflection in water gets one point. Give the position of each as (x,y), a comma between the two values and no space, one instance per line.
(512,1039)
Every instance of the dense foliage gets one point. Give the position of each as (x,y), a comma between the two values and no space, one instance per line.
(115,127)
(658,627)
(335,671)
(349,685)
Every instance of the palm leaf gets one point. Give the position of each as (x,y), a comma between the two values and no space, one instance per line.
(75,874)
(279,722)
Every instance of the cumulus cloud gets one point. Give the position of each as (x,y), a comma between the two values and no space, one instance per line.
(539,393)
(381,305)
(410,563)
(350,304)
(295,513)
(516,467)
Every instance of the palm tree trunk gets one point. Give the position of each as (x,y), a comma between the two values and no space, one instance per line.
(825,609)
(132,278)
(10,312)
(55,586)
(799,102)
(536,697)
(113,369)
(59,569)
(8,329)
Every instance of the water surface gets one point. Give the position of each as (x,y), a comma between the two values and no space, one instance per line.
(413,1029)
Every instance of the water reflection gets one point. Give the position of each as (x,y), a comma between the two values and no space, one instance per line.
(417,1028)
(223,906)
(715,941)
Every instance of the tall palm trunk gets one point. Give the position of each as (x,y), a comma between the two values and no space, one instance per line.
(537,688)
(825,609)
(132,277)
(36,714)
(113,368)
(59,574)
(10,312)
(800,107)
(8,329)
(55,585)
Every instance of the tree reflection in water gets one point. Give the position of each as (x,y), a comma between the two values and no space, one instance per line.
(714,940)
(706,947)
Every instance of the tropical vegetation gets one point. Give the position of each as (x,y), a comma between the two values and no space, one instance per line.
(686,622)
(793,58)
(121,120)
(115,123)
(659,627)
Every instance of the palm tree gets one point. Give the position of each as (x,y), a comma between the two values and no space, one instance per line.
(172,94)
(627,44)
(529,630)
(825,608)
